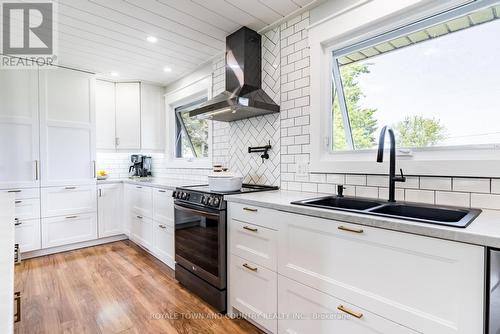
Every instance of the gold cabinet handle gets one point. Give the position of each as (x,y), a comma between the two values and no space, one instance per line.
(250,229)
(18,202)
(346,310)
(69,188)
(14,191)
(249,268)
(250,209)
(71,217)
(17,300)
(162,226)
(162,191)
(140,217)
(348,229)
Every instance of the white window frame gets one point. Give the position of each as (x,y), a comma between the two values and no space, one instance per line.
(194,91)
(361,22)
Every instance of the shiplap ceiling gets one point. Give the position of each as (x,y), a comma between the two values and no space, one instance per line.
(105,36)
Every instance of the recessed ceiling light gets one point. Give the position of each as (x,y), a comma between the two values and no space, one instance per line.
(152,39)
(167,69)
(114,74)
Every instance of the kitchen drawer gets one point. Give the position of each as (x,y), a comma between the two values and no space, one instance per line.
(141,231)
(253,292)
(254,243)
(28,235)
(163,243)
(141,201)
(27,209)
(254,215)
(427,284)
(163,206)
(69,200)
(66,230)
(305,310)
(24,193)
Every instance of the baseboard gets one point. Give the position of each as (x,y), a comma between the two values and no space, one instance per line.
(65,248)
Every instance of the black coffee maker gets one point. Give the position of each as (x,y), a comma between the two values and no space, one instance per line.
(140,167)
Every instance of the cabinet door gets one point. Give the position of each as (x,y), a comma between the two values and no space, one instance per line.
(27,208)
(69,200)
(141,231)
(110,210)
(152,117)
(142,201)
(19,123)
(163,243)
(67,127)
(305,310)
(105,114)
(128,116)
(163,206)
(67,230)
(28,235)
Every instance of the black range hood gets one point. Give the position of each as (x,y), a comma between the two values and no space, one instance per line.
(243,97)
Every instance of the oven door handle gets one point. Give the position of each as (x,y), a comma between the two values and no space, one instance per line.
(199,212)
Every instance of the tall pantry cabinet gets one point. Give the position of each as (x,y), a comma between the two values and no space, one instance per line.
(47,143)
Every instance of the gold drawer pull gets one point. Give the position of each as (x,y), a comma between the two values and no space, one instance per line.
(17,300)
(14,191)
(162,226)
(345,310)
(70,188)
(162,191)
(250,229)
(71,217)
(17,202)
(140,217)
(348,229)
(249,268)
(250,209)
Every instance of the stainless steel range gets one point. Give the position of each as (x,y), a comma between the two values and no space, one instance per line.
(201,240)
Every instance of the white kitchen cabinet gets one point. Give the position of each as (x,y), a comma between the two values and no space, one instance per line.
(19,129)
(128,115)
(28,235)
(253,291)
(163,206)
(142,200)
(426,284)
(109,206)
(68,200)
(66,230)
(141,231)
(27,208)
(152,117)
(105,115)
(306,310)
(163,243)
(67,127)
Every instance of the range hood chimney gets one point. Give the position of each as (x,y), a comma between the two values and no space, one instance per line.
(243,97)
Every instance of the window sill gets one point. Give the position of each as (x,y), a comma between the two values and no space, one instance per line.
(190,164)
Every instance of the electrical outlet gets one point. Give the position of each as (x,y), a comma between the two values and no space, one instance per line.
(302,168)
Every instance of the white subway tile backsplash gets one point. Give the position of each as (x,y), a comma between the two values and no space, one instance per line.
(369,192)
(327,188)
(377,180)
(318,178)
(471,185)
(383,193)
(495,186)
(335,178)
(310,187)
(419,196)
(453,198)
(485,201)
(412,182)
(435,183)
(358,180)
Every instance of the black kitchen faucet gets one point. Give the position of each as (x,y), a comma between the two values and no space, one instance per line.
(392,162)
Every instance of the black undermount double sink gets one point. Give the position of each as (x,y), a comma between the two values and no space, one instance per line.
(456,217)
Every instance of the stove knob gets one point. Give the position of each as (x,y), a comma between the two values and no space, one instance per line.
(216,201)
(203,200)
(184,195)
(174,194)
(178,195)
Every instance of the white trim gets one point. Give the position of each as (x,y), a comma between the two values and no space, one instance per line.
(355,25)
(174,99)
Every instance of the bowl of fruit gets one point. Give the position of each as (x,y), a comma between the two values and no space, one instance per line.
(102,174)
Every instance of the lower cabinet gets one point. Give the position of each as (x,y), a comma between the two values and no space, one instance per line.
(141,231)
(65,230)
(28,235)
(163,243)
(304,310)
(109,203)
(253,292)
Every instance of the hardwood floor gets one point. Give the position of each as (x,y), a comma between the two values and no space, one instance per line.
(113,288)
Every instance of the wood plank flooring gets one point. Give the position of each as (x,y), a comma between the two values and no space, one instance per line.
(112,288)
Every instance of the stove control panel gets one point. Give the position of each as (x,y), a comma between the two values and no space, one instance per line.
(213,201)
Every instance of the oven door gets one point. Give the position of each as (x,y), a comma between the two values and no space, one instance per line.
(200,243)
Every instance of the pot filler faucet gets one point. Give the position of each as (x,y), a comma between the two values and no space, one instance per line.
(392,162)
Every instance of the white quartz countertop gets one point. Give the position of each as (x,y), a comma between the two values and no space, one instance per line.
(484,230)
(156,182)
(6,263)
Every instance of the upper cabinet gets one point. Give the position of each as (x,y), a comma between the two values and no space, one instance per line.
(130,116)
(19,136)
(152,117)
(105,114)
(67,127)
